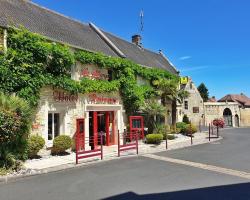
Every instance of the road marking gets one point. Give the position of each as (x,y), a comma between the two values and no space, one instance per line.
(213,168)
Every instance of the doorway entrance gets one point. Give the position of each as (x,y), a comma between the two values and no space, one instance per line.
(136,124)
(227,115)
(80,135)
(101,124)
(237,120)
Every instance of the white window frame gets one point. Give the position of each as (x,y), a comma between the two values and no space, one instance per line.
(50,142)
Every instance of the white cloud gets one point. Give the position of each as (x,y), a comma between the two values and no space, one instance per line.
(196,68)
(185,57)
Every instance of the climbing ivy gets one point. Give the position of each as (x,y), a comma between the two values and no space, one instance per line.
(33,62)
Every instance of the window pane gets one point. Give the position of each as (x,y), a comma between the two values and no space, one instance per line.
(56,125)
(81,127)
(50,137)
(136,123)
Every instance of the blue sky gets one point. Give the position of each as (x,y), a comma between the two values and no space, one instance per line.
(208,40)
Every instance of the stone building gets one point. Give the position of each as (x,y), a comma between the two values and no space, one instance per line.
(244,108)
(60,112)
(229,111)
(193,105)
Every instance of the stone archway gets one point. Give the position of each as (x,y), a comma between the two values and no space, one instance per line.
(237,120)
(228,118)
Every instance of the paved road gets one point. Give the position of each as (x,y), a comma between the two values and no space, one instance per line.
(143,178)
(232,152)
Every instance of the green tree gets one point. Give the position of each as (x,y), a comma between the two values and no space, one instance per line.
(152,108)
(203,92)
(169,91)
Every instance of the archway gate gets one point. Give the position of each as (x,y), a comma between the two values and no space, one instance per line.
(228,118)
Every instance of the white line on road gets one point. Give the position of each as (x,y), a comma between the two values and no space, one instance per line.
(213,168)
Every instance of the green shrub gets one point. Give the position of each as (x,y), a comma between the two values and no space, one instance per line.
(186,119)
(162,129)
(181,126)
(154,138)
(170,136)
(15,124)
(190,129)
(35,144)
(61,143)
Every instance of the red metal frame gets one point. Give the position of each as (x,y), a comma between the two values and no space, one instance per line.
(136,129)
(80,134)
(80,143)
(133,144)
(107,127)
(95,129)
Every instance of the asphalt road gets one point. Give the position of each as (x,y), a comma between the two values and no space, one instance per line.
(146,178)
(232,152)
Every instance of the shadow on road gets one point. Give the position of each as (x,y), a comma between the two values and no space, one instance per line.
(227,192)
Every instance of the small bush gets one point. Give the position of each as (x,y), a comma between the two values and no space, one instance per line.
(190,130)
(154,138)
(170,136)
(219,122)
(186,119)
(181,126)
(35,144)
(61,143)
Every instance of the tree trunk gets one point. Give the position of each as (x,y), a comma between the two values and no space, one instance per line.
(174,111)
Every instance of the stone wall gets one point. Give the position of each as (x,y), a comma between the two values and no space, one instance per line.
(1,39)
(70,108)
(245,117)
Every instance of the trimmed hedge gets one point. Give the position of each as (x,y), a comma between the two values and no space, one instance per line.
(61,143)
(154,138)
(35,144)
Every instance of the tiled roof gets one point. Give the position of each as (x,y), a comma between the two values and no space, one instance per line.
(240,98)
(74,33)
(52,25)
(141,55)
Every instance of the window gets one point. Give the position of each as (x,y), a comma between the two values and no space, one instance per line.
(110,75)
(186,105)
(53,125)
(196,110)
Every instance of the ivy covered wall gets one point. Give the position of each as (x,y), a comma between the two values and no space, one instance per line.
(33,62)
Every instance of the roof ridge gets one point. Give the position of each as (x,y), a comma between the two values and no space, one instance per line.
(107,40)
(143,49)
(57,13)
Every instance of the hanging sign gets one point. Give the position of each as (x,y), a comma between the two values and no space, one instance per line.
(184,80)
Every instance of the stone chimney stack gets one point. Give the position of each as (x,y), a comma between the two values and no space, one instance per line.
(136,39)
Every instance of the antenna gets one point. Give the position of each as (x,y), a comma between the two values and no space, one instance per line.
(142,21)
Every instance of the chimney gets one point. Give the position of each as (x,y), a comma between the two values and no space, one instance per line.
(136,39)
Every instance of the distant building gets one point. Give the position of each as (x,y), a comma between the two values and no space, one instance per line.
(233,108)
(244,106)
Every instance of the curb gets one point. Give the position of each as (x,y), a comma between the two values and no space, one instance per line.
(64,167)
